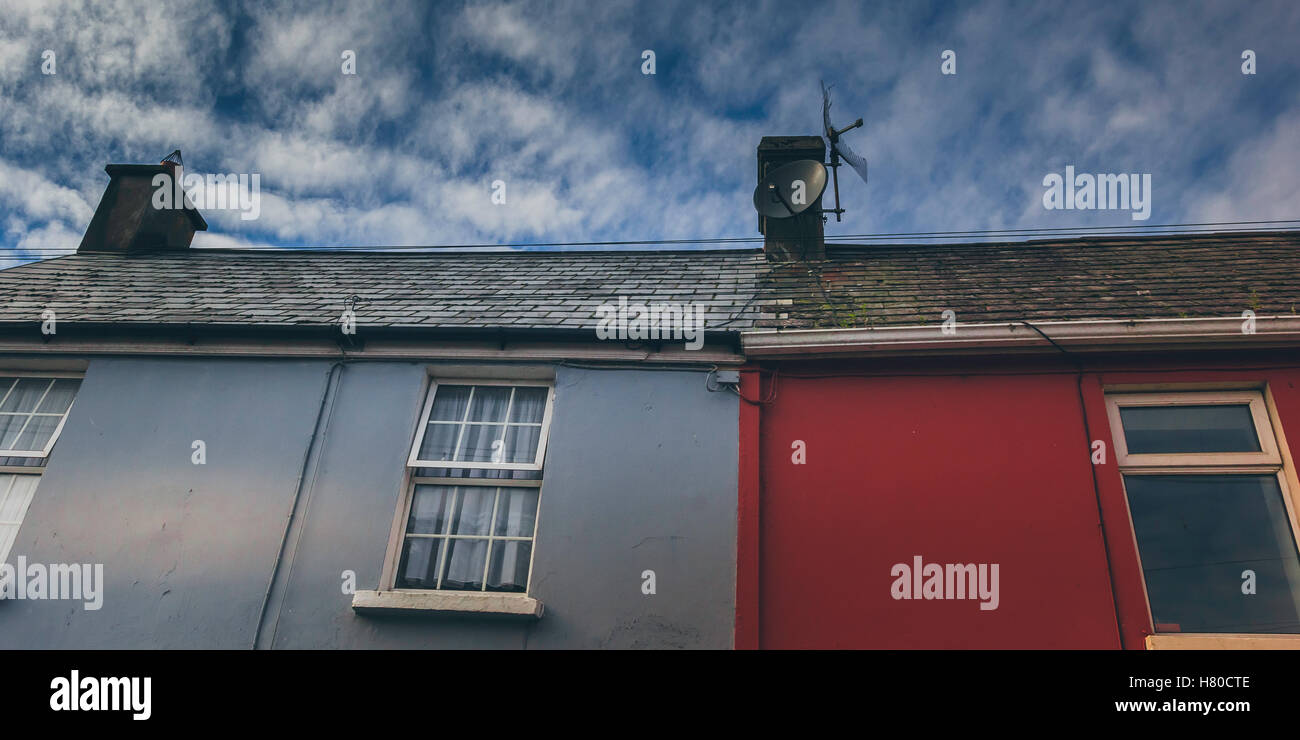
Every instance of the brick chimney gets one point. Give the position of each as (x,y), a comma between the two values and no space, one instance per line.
(127,219)
(799,237)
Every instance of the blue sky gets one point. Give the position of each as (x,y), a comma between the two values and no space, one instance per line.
(549,97)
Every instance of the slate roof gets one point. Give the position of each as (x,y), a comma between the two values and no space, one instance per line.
(1192,275)
(1184,276)
(515,290)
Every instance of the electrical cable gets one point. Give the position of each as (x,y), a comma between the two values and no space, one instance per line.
(771,390)
(1096,486)
(1063,231)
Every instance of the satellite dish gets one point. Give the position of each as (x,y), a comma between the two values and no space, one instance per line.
(790,189)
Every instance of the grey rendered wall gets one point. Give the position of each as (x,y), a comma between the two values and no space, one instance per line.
(644,477)
(640,474)
(187,549)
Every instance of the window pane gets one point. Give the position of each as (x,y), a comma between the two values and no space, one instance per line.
(1198,534)
(419,567)
(474,510)
(10,425)
(23,462)
(1165,429)
(521,444)
(8,533)
(509,570)
(60,396)
(9,502)
(476,443)
(449,403)
(439,441)
(26,395)
(516,511)
(478,473)
(489,404)
(16,493)
(38,432)
(530,404)
(465,560)
(429,509)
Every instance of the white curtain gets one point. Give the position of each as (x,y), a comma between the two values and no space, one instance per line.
(516,513)
(467,554)
(16,493)
(466,558)
(509,565)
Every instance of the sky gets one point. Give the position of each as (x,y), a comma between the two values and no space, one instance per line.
(552,99)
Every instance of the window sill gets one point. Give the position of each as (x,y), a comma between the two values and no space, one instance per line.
(1223,642)
(418,603)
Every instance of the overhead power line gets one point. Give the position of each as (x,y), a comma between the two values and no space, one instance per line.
(1064,231)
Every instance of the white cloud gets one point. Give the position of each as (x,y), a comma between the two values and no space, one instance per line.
(1260,182)
(39,199)
(549,97)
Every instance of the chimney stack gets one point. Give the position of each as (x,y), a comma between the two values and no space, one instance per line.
(128,219)
(800,237)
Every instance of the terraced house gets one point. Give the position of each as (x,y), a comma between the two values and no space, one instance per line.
(1078,443)
(1111,423)
(468,466)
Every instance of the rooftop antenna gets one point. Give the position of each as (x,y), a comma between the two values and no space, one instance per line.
(174,157)
(839,149)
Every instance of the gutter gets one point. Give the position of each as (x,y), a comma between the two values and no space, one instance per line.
(378,342)
(1018,337)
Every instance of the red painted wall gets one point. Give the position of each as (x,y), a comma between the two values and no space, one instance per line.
(988,466)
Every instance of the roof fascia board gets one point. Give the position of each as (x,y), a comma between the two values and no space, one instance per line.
(372,349)
(1017,337)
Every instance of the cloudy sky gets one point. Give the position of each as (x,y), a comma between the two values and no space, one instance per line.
(550,98)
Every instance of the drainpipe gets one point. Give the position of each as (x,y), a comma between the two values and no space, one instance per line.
(328,392)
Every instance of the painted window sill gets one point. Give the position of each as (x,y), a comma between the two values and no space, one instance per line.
(1222,642)
(420,603)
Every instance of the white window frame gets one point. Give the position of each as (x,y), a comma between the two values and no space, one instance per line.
(52,376)
(489,537)
(1272,459)
(1268,455)
(398,540)
(33,470)
(536,465)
